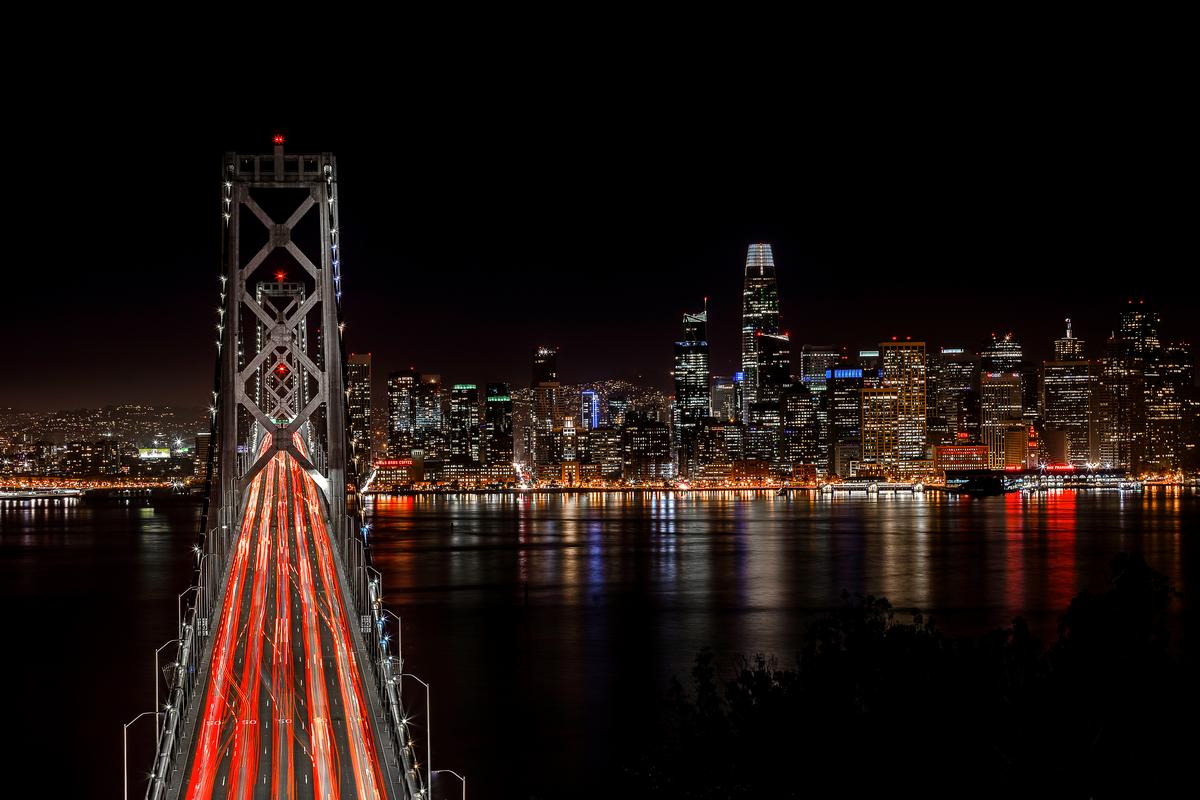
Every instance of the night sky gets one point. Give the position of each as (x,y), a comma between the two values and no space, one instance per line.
(482,221)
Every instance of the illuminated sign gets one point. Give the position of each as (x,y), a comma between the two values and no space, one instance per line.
(843,373)
(393,463)
(154,452)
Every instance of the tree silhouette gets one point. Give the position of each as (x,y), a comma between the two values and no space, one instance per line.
(877,706)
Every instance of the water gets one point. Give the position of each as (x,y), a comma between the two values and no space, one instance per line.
(549,626)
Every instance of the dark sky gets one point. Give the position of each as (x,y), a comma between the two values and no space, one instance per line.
(482,218)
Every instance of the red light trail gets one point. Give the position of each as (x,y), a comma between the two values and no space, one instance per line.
(285,706)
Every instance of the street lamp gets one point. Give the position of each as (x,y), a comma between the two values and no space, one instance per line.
(157,674)
(399,635)
(179,609)
(455,774)
(125,740)
(428,729)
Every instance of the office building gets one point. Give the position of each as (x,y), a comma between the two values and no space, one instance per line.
(464,424)
(1066,400)
(402,412)
(691,387)
(498,425)
(903,364)
(1000,414)
(760,313)
(358,407)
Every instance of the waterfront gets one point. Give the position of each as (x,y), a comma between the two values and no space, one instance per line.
(549,625)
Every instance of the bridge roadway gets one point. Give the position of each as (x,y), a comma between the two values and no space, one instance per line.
(285,713)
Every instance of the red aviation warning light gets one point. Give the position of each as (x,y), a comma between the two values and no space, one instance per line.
(277,138)
(281,370)
(280,276)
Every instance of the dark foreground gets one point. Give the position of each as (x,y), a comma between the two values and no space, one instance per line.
(881,704)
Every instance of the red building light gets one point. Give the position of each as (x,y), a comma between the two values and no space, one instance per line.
(277,138)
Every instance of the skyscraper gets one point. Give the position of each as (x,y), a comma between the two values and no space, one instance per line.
(815,362)
(1139,329)
(547,406)
(428,433)
(801,439)
(1170,385)
(843,388)
(760,312)
(1068,348)
(545,365)
(723,399)
(498,425)
(464,423)
(1001,354)
(773,362)
(953,400)
(589,409)
(904,370)
(358,381)
(1120,406)
(1066,401)
(879,429)
(691,387)
(1000,414)
(402,412)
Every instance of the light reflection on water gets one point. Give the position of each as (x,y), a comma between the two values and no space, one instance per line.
(623,590)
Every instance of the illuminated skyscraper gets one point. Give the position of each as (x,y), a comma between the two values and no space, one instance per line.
(1121,406)
(1066,400)
(953,403)
(428,432)
(1170,387)
(879,430)
(815,362)
(1068,348)
(545,365)
(724,400)
(1139,329)
(402,412)
(760,313)
(358,381)
(547,407)
(773,363)
(1001,354)
(904,370)
(801,438)
(691,387)
(646,450)
(498,425)
(464,423)
(1000,414)
(843,392)
(589,409)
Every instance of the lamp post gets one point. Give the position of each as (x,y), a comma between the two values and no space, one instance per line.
(399,635)
(428,729)
(179,609)
(157,674)
(455,774)
(203,582)
(125,749)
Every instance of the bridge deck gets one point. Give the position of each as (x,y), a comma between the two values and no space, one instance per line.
(285,711)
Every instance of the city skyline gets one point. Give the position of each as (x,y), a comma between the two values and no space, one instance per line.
(945,244)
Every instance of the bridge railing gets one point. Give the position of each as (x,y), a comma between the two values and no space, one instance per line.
(196,624)
(366,592)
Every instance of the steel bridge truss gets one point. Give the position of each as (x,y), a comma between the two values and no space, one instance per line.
(270,384)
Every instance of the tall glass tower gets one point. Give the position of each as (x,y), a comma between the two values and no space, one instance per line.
(760,313)
(691,385)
